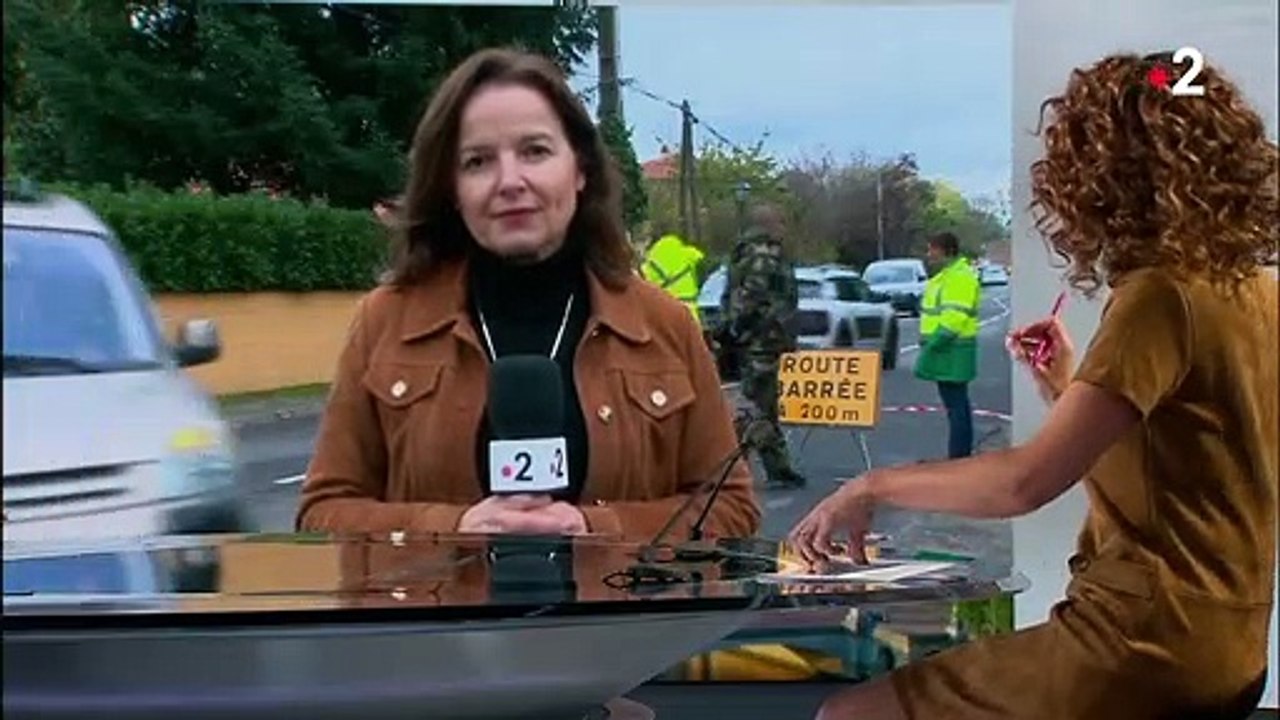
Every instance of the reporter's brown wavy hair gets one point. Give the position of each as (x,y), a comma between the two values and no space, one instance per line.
(1133,176)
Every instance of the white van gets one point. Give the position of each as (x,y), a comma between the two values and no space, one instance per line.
(104,434)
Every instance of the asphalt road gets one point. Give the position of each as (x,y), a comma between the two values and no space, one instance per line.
(275,453)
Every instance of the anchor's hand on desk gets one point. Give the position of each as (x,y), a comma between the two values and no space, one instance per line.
(844,514)
(523,515)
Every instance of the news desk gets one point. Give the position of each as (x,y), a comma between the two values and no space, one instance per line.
(467,627)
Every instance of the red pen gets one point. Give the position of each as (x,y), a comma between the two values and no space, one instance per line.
(1042,348)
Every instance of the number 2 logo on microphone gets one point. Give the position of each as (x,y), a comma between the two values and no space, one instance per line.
(527,465)
(519,471)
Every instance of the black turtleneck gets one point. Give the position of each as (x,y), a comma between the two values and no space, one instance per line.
(523,306)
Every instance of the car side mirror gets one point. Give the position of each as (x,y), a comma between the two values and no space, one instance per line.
(198,343)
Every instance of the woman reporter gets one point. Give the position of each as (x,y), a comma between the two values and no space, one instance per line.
(1170,419)
(510,242)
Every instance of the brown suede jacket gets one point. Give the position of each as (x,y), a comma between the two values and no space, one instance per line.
(396,448)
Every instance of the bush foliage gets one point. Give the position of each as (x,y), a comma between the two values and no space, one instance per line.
(206,243)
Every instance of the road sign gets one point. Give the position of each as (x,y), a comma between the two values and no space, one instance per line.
(839,388)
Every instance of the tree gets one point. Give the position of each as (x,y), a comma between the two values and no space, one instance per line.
(312,100)
(948,210)
(635,199)
(844,217)
(906,196)
(835,206)
(976,225)
(832,205)
(720,170)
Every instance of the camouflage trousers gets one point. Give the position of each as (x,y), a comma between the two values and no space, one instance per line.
(759,374)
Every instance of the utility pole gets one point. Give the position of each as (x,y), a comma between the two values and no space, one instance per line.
(694,204)
(607,57)
(688,206)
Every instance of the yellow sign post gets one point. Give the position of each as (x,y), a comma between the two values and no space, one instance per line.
(831,388)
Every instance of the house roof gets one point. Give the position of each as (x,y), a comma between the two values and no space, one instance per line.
(663,167)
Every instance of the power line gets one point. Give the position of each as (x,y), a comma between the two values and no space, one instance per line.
(633,84)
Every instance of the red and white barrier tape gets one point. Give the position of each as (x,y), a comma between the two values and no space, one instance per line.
(977,412)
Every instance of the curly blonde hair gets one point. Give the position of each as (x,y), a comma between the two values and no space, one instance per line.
(1133,176)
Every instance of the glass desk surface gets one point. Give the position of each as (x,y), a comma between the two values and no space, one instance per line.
(239,578)
(473,627)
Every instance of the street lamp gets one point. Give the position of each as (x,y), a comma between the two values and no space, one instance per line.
(741,193)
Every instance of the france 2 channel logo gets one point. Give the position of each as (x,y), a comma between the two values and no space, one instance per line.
(1160,75)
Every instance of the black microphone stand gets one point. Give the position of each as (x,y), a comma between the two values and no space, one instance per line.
(696,551)
(648,573)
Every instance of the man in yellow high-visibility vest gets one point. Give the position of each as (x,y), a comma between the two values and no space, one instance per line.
(949,337)
(672,264)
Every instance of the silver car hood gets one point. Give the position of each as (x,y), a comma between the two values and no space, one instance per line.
(60,422)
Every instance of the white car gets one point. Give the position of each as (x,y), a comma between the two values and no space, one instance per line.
(836,309)
(105,435)
(901,279)
(839,310)
(993,274)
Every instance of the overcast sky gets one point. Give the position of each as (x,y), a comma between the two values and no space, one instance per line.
(935,81)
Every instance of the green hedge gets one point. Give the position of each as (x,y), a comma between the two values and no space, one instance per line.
(979,618)
(202,243)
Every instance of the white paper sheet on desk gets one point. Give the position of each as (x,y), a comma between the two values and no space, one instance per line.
(881,571)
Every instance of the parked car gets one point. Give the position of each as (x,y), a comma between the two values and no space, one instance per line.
(105,435)
(993,274)
(901,279)
(836,309)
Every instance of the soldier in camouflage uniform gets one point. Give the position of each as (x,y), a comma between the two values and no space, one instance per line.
(760,303)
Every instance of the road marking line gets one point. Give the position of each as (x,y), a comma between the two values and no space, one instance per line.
(291,480)
(778,503)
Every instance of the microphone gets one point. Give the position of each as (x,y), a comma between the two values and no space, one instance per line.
(527,455)
(526,397)
(526,418)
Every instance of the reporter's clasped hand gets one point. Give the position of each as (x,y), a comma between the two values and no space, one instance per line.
(523,515)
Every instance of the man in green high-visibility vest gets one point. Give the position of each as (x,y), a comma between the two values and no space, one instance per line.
(672,264)
(949,337)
